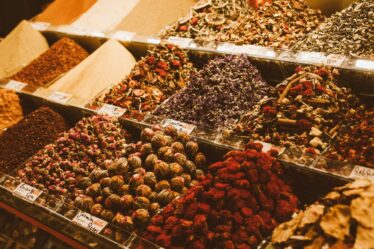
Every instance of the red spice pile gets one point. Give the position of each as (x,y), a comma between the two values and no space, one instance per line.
(237,205)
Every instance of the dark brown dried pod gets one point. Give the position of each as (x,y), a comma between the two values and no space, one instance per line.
(135,181)
(161,185)
(97,174)
(153,197)
(192,148)
(175,169)
(150,161)
(180,158)
(143,190)
(147,134)
(127,202)
(142,202)
(161,169)
(154,208)
(113,201)
(134,162)
(96,209)
(123,221)
(166,154)
(183,137)
(200,161)
(94,190)
(140,217)
(178,147)
(119,167)
(159,141)
(105,182)
(125,189)
(190,168)
(116,182)
(171,131)
(105,192)
(187,179)
(177,183)
(165,196)
(150,179)
(199,174)
(87,203)
(84,182)
(146,149)
(107,215)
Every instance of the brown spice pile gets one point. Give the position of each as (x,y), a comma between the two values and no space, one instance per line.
(344,218)
(60,58)
(24,139)
(10,109)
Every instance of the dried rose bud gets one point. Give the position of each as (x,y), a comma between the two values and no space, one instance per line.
(142,202)
(135,181)
(140,217)
(134,162)
(166,154)
(161,169)
(97,174)
(175,169)
(116,182)
(125,189)
(190,168)
(96,209)
(146,149)
(107,215)
(165,196)
(153,197)
(105,182)
(154,208)
(143,190)
(159,141)
(113,201)
(171,131)
(127,202)
(105,192)
(150,179)
(180,158)
(178,147)
(84,182)
(177,183)
(94,190)
(161,185)
(200,161)
(192,148)
(150,161)
(147,134)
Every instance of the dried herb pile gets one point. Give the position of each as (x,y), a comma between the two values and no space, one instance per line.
(236,205)
(307,111)
(218,94)
(58,59)
(349,32)
(10,109)
(164,71)
(279,23)
(57,168)
(29,135)
(151,173)
(342,219)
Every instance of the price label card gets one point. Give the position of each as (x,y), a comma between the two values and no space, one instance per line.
(226,47)
(311,57)
(90,222)
(112,110)
(335,60)
(123,35)
(180,126)
(360,172)
(154,41)
(27,192)
(60,97)
(15,85)
(365,64)
(41,26)
(179,41)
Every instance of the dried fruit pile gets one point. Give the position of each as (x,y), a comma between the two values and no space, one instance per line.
(207,19)
(355,140)
(237,205)
(60,58)
(279,23)
(344,218)
(151,173)
(10,109)
(307,112)
(349,32)
(90,144)
(161,73)
(218,94)
(32,133)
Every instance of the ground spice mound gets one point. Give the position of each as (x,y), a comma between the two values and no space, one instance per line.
(90,144)
(218,94)
(25,138)
(10,109)
(60,58)
(236,205)
(306,112)
(164,71)
(342,219)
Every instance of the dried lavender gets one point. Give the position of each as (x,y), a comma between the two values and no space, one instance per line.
(218,94)
(349,32)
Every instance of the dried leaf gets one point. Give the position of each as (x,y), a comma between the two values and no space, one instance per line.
(364,238)
(363,211)
(336,222)
(332,196)
(283,232)
(353,192)
(316,244)
(361,183)
(312,214)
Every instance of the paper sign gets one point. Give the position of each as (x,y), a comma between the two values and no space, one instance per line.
(111,110)
(360,172)
(27,192)
(90,222)
(180,126)
(123,35)
(179,41)
(366,64)
(40,25)
(59,97)
(335,60)
(311,57)
(15,85)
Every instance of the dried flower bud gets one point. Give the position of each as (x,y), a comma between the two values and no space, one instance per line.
(183,137)
(113,201)
(190,168)
(175,169)
(107,215)
(97,174)
(154,208)
(150,179)
(150,161)
(147,134)
(105,182)
(87,203)
(106,192)
(159,141)
(134,162)
(84,182)
(171,131)
(116,182)
(140,217)
(178,147)
(200,161)
(142,202)
(143,190)
(146,149)
(119,167)
(153,197)
(187,179)
(161,185)
(135,181)
(180,159)
(177,183)
(123,221)
(165,196)
(125,189)
(127,202)
(161,169)
(94,190)
(192,148)
(140,171)
(96,209)
(199,174)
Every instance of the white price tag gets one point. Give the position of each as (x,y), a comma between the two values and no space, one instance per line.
(41,26)
(27,192)
(59,97)
(268,53)
(154,41)
(111,110)
(360,172)
(15,85)
(226,47)
(366,64)
(180,126)
(123,35)
(335,60)
(90,222)
(179,41)
(311,57)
